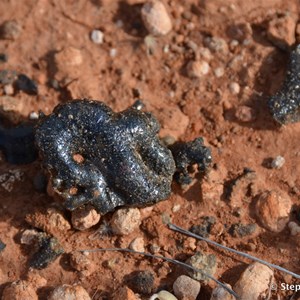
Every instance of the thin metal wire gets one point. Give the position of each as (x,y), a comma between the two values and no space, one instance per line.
(188,233)
(174,261)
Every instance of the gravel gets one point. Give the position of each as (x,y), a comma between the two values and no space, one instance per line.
(85,217)
(234,88)
(137,244)
(186,288)
(156,18)
(197,69)
(97,36)
(125,220)
(278,162)
(69,292)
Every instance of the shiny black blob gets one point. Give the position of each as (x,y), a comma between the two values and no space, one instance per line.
(49,250)
(17,144)
(285,104)
(188,154)
(104,158)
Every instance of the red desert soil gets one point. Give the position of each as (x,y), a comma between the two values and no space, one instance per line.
(244,44)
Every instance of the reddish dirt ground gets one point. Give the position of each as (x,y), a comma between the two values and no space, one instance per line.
(186,107)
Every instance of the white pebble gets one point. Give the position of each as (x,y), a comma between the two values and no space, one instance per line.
(234,88)
(219,72)
(137,244)
(113,52)
(277,162)
(197,69)
(163,295)
(68,292)
(8,89)
(97,36)
(156,18)
(33,115)
(294,228)
(125,220)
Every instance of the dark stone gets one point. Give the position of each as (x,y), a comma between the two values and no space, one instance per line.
(122,159)
(2,246)
(17,144)
(7,76)
(142,282)
(204,228)
(3,58)
(188,154)
(24,83)
(241,230)
(49,250)
(285,104)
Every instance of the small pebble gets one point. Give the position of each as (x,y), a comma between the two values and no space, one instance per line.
(97,36)
(281,31)
(242,230)
(10,30)
(113,52)
(277,162)
(245,114)
(68,57)
(197,69)
(294,228)
(24,83)
(2,246)
(33,115)
(204,54)
(125,220)
(124,293)
(219,72)
(85,217)
(273,210)
(216,44)
(69,292)
(163,295)
(156,18)
(234,88)
(205,262)
(3,58)
(186,288)
(219,293)
(8,89)
(137,244)
(254,282)
(142,282)
(19,290)
(29,236)
(81,263)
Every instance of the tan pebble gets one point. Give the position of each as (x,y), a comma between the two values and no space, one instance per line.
(85,217)
(273,210)
(10,30)
(245,114)
(281,31)
(186,287)
(217,45)
(156,18)
(219,72)
(68,57)
(81,263)
(69,292)
(294,228)
(8,89)
(124,293)
(255,282)
(219,293)
(19,290)
(125,220)
(234,88)
(29,236)
(51,221)
(197,69)
(137,244)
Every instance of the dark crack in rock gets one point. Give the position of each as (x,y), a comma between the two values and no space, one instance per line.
(49,250)
(285,104)
(108,159)
(188,154)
